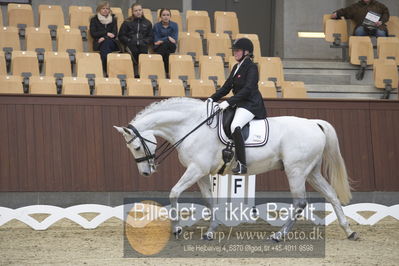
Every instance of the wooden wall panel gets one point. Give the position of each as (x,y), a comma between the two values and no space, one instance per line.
(385,137)
(51,143)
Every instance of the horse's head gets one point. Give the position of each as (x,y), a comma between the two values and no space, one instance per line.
(142,146)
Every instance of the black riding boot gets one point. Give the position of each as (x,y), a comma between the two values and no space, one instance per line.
(239,144)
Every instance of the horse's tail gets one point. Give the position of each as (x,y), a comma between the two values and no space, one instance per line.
(333,166)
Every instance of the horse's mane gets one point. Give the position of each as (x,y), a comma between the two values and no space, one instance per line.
(179,103)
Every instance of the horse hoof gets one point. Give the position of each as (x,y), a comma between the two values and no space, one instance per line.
(354,236)
(177,232)
(275,240)
(207,237)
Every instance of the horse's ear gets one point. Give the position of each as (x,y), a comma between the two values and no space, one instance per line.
(123,130)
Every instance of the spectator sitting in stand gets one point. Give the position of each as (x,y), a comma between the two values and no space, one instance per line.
(165,36)
(370,17)
(136,34)
(103,29)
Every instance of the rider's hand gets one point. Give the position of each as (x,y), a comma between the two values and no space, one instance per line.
(209,100)
(223,105)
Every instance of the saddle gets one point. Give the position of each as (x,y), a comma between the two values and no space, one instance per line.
(255,133)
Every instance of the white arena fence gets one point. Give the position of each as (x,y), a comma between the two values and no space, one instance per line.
(105,213)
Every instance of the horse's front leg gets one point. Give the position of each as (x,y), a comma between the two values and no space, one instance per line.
(206,191)
(189,178)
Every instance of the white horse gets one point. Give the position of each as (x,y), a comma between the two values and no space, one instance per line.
(307,150)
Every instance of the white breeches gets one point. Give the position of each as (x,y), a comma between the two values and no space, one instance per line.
(241,118)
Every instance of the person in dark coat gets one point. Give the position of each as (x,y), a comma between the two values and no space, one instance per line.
(136,33)
(165,36)
(103,29)
(247,99)
(358,12)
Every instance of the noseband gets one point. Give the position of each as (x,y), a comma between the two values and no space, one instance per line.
(148,155)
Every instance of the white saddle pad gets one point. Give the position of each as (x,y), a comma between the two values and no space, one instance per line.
(258,133)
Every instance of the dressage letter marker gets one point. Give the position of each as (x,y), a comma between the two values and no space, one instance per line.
(233,187)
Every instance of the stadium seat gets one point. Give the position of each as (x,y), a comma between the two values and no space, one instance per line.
(57,62)
(267,89)
(151,66)
(385,75)
(271,69)
(212,68)
(146,12)
(119,64)
(226,22)
(89,63)
(51,15)
(24,61)
(42,85)
(295,89)
(38,38)
(11,84)
(9,38)
(1,19)
(201,88)
(139,87)
(336,30)
(20,14)
(3,68)
(190,43)
(181,67)
(255,40)
(89,42)
(388,47)
(198,23)
(75,86)
(190,13)
(219,44)
(171,88)
(108,87)
(361,53)
(80,16)
(117,11)
(69,39)
(393,26)
(360,46)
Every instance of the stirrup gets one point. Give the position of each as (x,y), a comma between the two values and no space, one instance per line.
(240,169)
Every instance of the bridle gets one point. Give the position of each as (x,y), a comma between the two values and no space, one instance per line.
(149,157)
(152,159)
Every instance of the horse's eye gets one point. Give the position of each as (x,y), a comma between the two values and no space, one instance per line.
(137,149)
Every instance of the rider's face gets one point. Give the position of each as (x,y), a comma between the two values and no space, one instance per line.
(238,53)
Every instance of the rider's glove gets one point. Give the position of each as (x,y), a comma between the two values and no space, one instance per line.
(209,100)
(223,105)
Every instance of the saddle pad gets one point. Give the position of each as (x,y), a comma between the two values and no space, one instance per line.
(258,133)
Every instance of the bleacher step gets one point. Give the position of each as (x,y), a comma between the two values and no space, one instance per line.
(315,64)
(317,76)
(345,91)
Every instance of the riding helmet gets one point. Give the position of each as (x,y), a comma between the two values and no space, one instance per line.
(244,44)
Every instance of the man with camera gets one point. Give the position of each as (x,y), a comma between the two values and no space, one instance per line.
(370,17)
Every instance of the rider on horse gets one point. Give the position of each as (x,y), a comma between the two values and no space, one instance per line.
(247,100)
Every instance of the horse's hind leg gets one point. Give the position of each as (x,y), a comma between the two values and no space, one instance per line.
(319,183)
(296,180)
(206,191)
